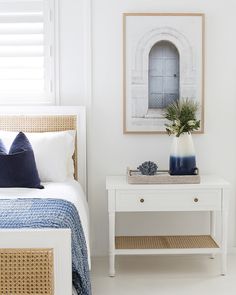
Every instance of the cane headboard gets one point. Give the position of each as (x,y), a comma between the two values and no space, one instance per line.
(50,119)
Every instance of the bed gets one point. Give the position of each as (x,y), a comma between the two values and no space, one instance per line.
(44,254)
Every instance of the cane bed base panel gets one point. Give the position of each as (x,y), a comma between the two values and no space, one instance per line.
(26,271)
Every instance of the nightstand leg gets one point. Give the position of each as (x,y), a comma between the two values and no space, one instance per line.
(224,217)
(213,228)
(112,244)
(111,265)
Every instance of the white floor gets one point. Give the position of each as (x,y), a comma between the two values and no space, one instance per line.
(162,275)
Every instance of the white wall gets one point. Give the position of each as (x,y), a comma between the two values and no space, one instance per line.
(72,35)
(109,151)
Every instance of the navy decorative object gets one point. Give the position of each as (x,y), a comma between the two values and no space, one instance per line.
(18,168)
(148,168)
(2,148)
(182,156)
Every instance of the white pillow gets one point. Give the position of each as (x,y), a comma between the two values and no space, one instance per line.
(53,153)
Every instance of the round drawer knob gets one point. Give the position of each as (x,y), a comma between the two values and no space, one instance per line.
(195,200)
(141,200)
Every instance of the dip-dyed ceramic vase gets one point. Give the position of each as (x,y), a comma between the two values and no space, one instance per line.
(182,156)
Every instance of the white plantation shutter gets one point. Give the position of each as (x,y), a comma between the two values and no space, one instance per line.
(26,51)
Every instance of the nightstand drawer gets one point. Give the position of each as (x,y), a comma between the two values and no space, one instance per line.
(176,200)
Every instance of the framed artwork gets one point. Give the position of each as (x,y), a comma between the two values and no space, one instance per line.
(163,63)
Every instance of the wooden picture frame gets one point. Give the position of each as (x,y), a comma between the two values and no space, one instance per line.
(176,42)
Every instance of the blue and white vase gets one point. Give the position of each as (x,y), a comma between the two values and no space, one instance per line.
(182,156)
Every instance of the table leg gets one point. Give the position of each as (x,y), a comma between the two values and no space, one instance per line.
(213,228)
(112,244)
(224,217)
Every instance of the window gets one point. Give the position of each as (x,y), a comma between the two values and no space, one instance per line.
(27,53)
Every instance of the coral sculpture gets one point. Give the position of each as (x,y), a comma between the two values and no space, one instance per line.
(148,168)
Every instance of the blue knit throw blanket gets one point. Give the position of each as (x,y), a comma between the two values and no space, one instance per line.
(51,213)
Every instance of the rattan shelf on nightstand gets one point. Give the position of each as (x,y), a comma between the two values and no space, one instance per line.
(165,242)
(209,195)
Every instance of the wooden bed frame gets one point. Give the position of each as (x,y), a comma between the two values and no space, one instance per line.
(41,258)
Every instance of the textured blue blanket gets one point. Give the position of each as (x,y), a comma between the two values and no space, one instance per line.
(51,213)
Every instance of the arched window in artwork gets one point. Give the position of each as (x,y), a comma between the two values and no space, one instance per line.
(163,76)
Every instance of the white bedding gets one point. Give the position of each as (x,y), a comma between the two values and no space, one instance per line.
(69,190)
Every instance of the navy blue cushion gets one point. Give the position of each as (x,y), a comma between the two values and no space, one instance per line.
(3,150)
(18,168)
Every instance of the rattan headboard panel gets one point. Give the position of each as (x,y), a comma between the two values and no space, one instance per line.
(40,123)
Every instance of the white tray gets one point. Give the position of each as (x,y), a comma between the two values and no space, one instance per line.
(162,177)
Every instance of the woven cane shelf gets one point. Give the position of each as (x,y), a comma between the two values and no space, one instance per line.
(26,272)
(165,242)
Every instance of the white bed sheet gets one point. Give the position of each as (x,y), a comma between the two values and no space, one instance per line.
(70,190)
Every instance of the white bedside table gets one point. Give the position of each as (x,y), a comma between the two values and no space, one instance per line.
(210,195)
